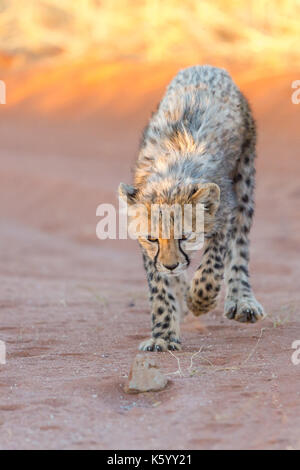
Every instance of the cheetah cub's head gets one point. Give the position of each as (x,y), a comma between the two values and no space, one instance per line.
(170,221)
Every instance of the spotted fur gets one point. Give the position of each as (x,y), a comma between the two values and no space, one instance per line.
(199,146)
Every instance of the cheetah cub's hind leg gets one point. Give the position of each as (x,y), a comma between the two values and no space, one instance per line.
(240,303)
(165,311)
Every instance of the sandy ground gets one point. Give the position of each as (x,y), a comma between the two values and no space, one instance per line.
(73,309)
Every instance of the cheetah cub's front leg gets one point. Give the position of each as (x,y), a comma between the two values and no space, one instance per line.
(166,309)
(207,280)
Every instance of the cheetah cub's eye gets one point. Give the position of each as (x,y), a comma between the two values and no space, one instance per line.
(150,239)
(193,191)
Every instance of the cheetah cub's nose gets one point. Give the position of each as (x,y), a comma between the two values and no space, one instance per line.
(171,267)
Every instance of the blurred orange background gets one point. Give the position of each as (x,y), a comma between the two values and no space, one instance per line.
(45,45)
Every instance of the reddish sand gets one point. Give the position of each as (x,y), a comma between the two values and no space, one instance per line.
(73,309)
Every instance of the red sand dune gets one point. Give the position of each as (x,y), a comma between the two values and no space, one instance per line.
(73,309)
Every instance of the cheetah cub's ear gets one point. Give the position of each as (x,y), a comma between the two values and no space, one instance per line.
(127,193)
(207,194)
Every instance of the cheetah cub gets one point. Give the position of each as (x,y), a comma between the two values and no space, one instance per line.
(199,147)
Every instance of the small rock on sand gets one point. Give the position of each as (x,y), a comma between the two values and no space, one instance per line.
(145,376)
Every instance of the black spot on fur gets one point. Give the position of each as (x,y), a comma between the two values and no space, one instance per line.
(246,284)
(245,145)
(244,269)
(244,255)
(157,335)
(250,212)
(218,265)
(237,178)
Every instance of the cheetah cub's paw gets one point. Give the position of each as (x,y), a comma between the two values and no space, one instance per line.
(198,307)
(244,310)
(160,344)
